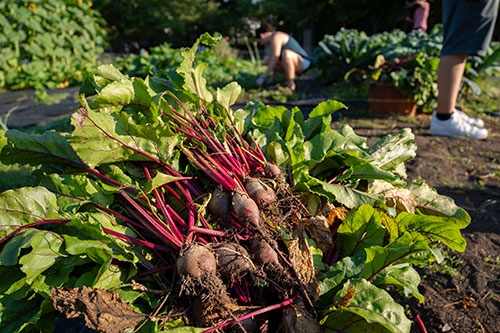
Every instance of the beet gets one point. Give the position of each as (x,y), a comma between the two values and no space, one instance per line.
(272,171)
(220,203)
(233,260)
(263,253)
(246,209)
(260,192)
(197,261)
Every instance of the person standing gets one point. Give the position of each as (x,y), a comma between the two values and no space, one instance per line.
(467,30)
(286,55)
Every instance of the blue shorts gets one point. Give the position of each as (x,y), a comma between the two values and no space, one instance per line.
(468,26)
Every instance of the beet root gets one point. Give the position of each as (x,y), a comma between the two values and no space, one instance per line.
(246,209)
(263,253)
(205,290)
(197,261)
(272,171)
(220,203)
(233,260)
(260,192)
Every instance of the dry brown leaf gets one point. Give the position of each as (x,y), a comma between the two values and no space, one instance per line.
(336,215)
(318,229)
(103,310)
(302,261)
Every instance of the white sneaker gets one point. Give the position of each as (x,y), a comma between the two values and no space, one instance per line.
(472,121)
(456,126)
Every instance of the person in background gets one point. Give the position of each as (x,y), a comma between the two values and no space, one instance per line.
(421,9)
(286,55)
(467,30)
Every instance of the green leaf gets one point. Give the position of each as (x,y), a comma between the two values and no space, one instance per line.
(349,197)
(101,138)
(430,202)
(109,73)
(124,92)
(390,152)
(435,228)
(228,95)
(13,282)
(330,141)
(26,205)
(110,277)
(408,248)
(16,315)
(405,277)
(45,249)
(193,80)
(97,251)
(58,274)
(69,187)
(47,148)
(269,119)
(3,139)
(159,180)
(361,229)
(369,310)
(84,235)
(338,274)
(319,118)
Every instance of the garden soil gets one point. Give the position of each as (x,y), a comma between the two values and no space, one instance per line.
(462,294)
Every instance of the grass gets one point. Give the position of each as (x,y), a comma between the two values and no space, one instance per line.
(495,261)
(347,91)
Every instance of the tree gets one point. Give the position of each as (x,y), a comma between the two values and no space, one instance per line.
(135,24)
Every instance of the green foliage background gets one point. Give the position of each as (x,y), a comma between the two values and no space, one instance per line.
(48,43)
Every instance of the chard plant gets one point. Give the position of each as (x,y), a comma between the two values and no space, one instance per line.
(123,210)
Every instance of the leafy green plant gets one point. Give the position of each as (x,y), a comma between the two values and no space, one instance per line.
(337,54)
(478,68)
(408,60)
(121,197)
(158,61)
(48,43)
(224,64)
(415,76)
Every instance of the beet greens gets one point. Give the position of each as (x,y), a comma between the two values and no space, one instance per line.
(159,182)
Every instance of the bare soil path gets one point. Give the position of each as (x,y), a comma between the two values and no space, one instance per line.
(19,108)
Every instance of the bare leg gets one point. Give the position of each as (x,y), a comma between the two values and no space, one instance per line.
(450,72)
(291,66)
